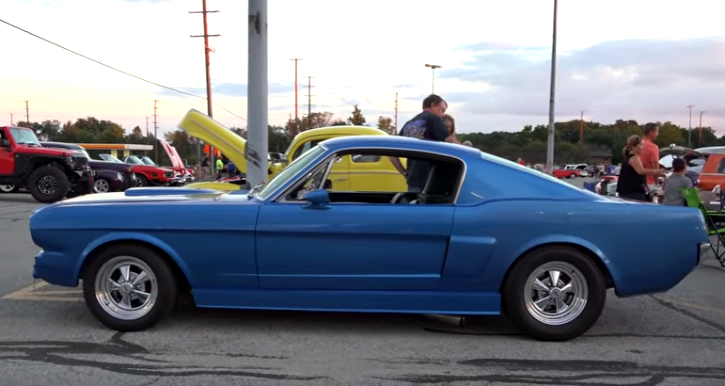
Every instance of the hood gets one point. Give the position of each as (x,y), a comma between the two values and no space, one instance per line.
(201,126)
(145,194)
(54,151)
(176,161)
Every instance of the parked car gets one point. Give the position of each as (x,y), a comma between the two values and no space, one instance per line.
(145,174)
(108,176)
(185,174)
(564,172)
(465,245)
(49,174)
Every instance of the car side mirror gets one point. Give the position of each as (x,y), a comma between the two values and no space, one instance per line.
(5,143)
(317,199)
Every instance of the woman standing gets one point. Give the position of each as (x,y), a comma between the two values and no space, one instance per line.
(632,182)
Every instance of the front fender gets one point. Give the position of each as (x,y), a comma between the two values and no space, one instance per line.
(135,236)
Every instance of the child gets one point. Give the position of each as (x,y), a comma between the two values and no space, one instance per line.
(675,183)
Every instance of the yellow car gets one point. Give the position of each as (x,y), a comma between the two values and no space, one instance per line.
(350,173)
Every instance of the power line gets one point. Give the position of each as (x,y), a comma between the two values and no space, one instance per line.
(117,70)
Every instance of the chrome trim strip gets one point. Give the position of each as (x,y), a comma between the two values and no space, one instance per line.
(462,179)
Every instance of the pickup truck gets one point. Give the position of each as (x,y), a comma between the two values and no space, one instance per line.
(49,174)
(351,173)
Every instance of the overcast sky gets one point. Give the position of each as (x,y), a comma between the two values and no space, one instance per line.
(637,59)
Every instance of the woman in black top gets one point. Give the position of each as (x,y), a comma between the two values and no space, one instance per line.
(632,182)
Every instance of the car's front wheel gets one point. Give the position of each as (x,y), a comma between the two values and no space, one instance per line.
(48,184)
(554,293)
(129,287)
(8,188)
(101,185)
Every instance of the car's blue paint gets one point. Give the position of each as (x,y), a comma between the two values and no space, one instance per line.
(241,251)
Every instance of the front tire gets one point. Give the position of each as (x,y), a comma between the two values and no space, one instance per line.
(554,293)
(101,185)
(9,188)
(48,184)
(141,180)
(129,288)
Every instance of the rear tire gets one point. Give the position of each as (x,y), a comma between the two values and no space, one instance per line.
(48,184)
(104,286)
(574,303)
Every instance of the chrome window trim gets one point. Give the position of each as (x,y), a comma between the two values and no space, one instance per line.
(462,179)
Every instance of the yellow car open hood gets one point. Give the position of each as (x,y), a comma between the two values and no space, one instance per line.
(201,126)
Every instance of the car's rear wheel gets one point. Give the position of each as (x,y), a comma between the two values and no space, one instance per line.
(129,288)
(554,293)
(48,184)
(9,188)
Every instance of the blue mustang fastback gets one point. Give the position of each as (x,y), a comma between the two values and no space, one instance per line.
(537,249)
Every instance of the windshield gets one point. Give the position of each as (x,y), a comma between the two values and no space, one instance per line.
(132,159)
(110,158)
(24,136)
(293,168)
(147,161)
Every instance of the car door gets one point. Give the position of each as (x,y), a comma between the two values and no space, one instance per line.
(7,158)
(352,246)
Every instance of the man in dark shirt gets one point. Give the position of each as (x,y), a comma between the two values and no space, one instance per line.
(428,125)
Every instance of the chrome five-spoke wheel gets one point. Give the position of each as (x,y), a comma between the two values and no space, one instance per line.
(557,293)
(126,288)
(129,287)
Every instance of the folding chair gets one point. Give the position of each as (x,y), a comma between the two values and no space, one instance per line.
(713,219)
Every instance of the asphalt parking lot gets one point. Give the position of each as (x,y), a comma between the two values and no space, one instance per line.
(47,337)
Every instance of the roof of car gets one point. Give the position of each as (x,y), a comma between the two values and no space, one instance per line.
(401,142)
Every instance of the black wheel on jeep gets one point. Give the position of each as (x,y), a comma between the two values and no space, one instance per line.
(48,184)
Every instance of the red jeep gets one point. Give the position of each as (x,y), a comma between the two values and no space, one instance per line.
(49,174)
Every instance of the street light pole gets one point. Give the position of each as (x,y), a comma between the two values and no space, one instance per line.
(700,141)
(433,68)
(689,127)
(257,146)
(552,87)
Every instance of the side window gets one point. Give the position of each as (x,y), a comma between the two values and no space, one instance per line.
(363,158)
(304,148)
(721,166)
(2,134)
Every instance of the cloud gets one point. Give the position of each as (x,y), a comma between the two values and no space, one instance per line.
(229,89)
(638,79)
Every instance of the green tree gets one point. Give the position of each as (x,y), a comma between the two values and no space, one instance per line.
(386,124)
(357,118)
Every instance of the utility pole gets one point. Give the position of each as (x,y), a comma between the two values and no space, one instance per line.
(11,119)
(208,76)
(433,68)
(27,113)
(689,127)
(552,95)
(296,131)
(701,112)
(156,132)
(257,145)
(395,125)
(581,128)
(147,126)
(309,99)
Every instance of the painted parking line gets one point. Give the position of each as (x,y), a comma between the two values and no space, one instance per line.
(34,293)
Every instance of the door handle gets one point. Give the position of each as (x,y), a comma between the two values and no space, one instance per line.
(340,179)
